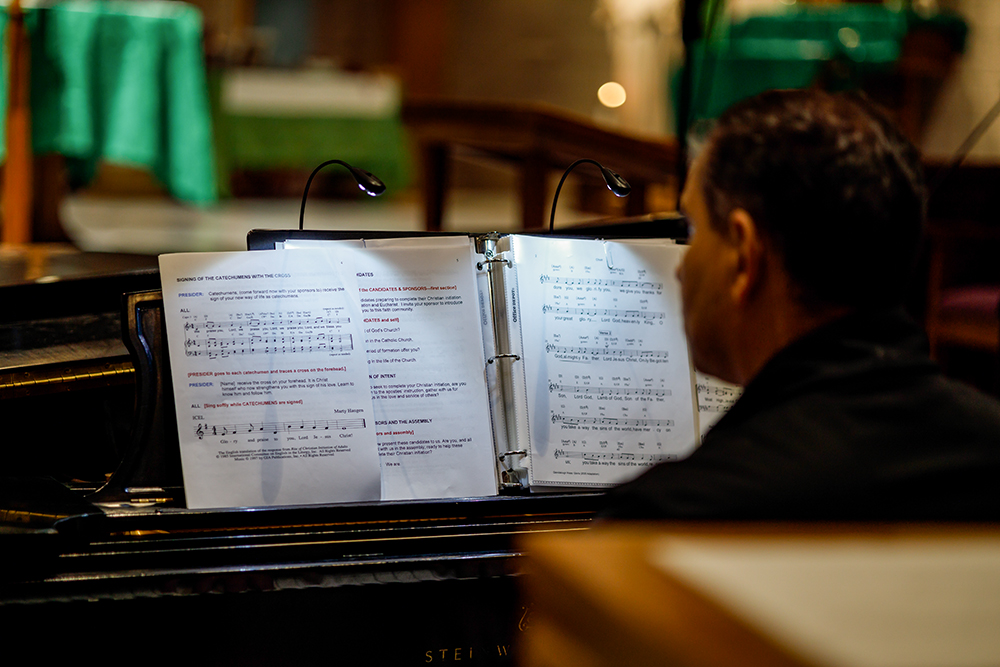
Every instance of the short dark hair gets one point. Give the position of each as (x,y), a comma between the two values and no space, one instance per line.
(832,184)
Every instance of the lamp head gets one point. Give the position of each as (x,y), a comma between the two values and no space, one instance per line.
(368,182)
(616,183)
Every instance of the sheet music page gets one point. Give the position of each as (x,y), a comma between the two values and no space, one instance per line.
(715,397)
(607,384)
(420,306)
(270,378)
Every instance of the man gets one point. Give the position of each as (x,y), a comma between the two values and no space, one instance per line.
(806,211)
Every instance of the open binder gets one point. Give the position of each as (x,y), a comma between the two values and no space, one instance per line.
(489,364)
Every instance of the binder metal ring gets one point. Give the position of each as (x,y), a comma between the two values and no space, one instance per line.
(513,452)
(493,260)
(500,356)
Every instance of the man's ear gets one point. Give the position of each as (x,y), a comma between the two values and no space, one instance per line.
(749,247)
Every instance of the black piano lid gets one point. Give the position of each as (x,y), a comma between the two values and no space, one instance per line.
(132,538)
(72,314)
(98,553)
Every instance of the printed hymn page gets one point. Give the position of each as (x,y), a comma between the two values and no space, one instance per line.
(605,377)
(422,331)
(270,378)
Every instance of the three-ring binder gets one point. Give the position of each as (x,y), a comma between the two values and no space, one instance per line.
(512,476)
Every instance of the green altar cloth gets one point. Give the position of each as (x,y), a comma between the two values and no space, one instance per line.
(297,119)
(274,142)
(122,82)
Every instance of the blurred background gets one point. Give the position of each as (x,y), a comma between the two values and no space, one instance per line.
(142,127)
(291,83)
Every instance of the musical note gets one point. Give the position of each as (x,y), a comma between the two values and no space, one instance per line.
(274,427)
(214,347)
(206,326)
(609,391)
(612,456)
(717,391)
(612,421)
(604,312)
(599,282)
(606,351)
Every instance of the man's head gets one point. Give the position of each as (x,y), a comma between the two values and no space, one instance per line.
(803,203)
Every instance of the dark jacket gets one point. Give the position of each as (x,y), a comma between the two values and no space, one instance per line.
(852,422)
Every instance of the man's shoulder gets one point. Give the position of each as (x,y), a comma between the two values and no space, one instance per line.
(968,399)
(873,410)
(854,422)
(868,372)
(926,448)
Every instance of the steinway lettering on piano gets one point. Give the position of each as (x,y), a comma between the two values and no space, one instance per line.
(203,430)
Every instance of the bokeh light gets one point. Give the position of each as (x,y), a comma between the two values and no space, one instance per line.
(611,94)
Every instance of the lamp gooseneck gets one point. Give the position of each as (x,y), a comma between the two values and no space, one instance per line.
(616,184)
(368,182)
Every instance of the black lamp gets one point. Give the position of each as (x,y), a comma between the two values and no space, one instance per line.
(368,183)
(616,184)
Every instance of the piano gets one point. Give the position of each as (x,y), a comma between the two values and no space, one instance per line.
(99,553)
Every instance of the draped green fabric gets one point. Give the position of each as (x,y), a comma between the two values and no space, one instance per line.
(122,82)
(263,139)
(794,47)
(270,142)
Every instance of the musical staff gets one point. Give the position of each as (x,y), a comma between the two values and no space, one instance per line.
(600,282)
(606,351)
(731,393)
(612,456)
(604,312)
(219,346)
(209,326)
(609,391)
(221,430)
(612,421)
